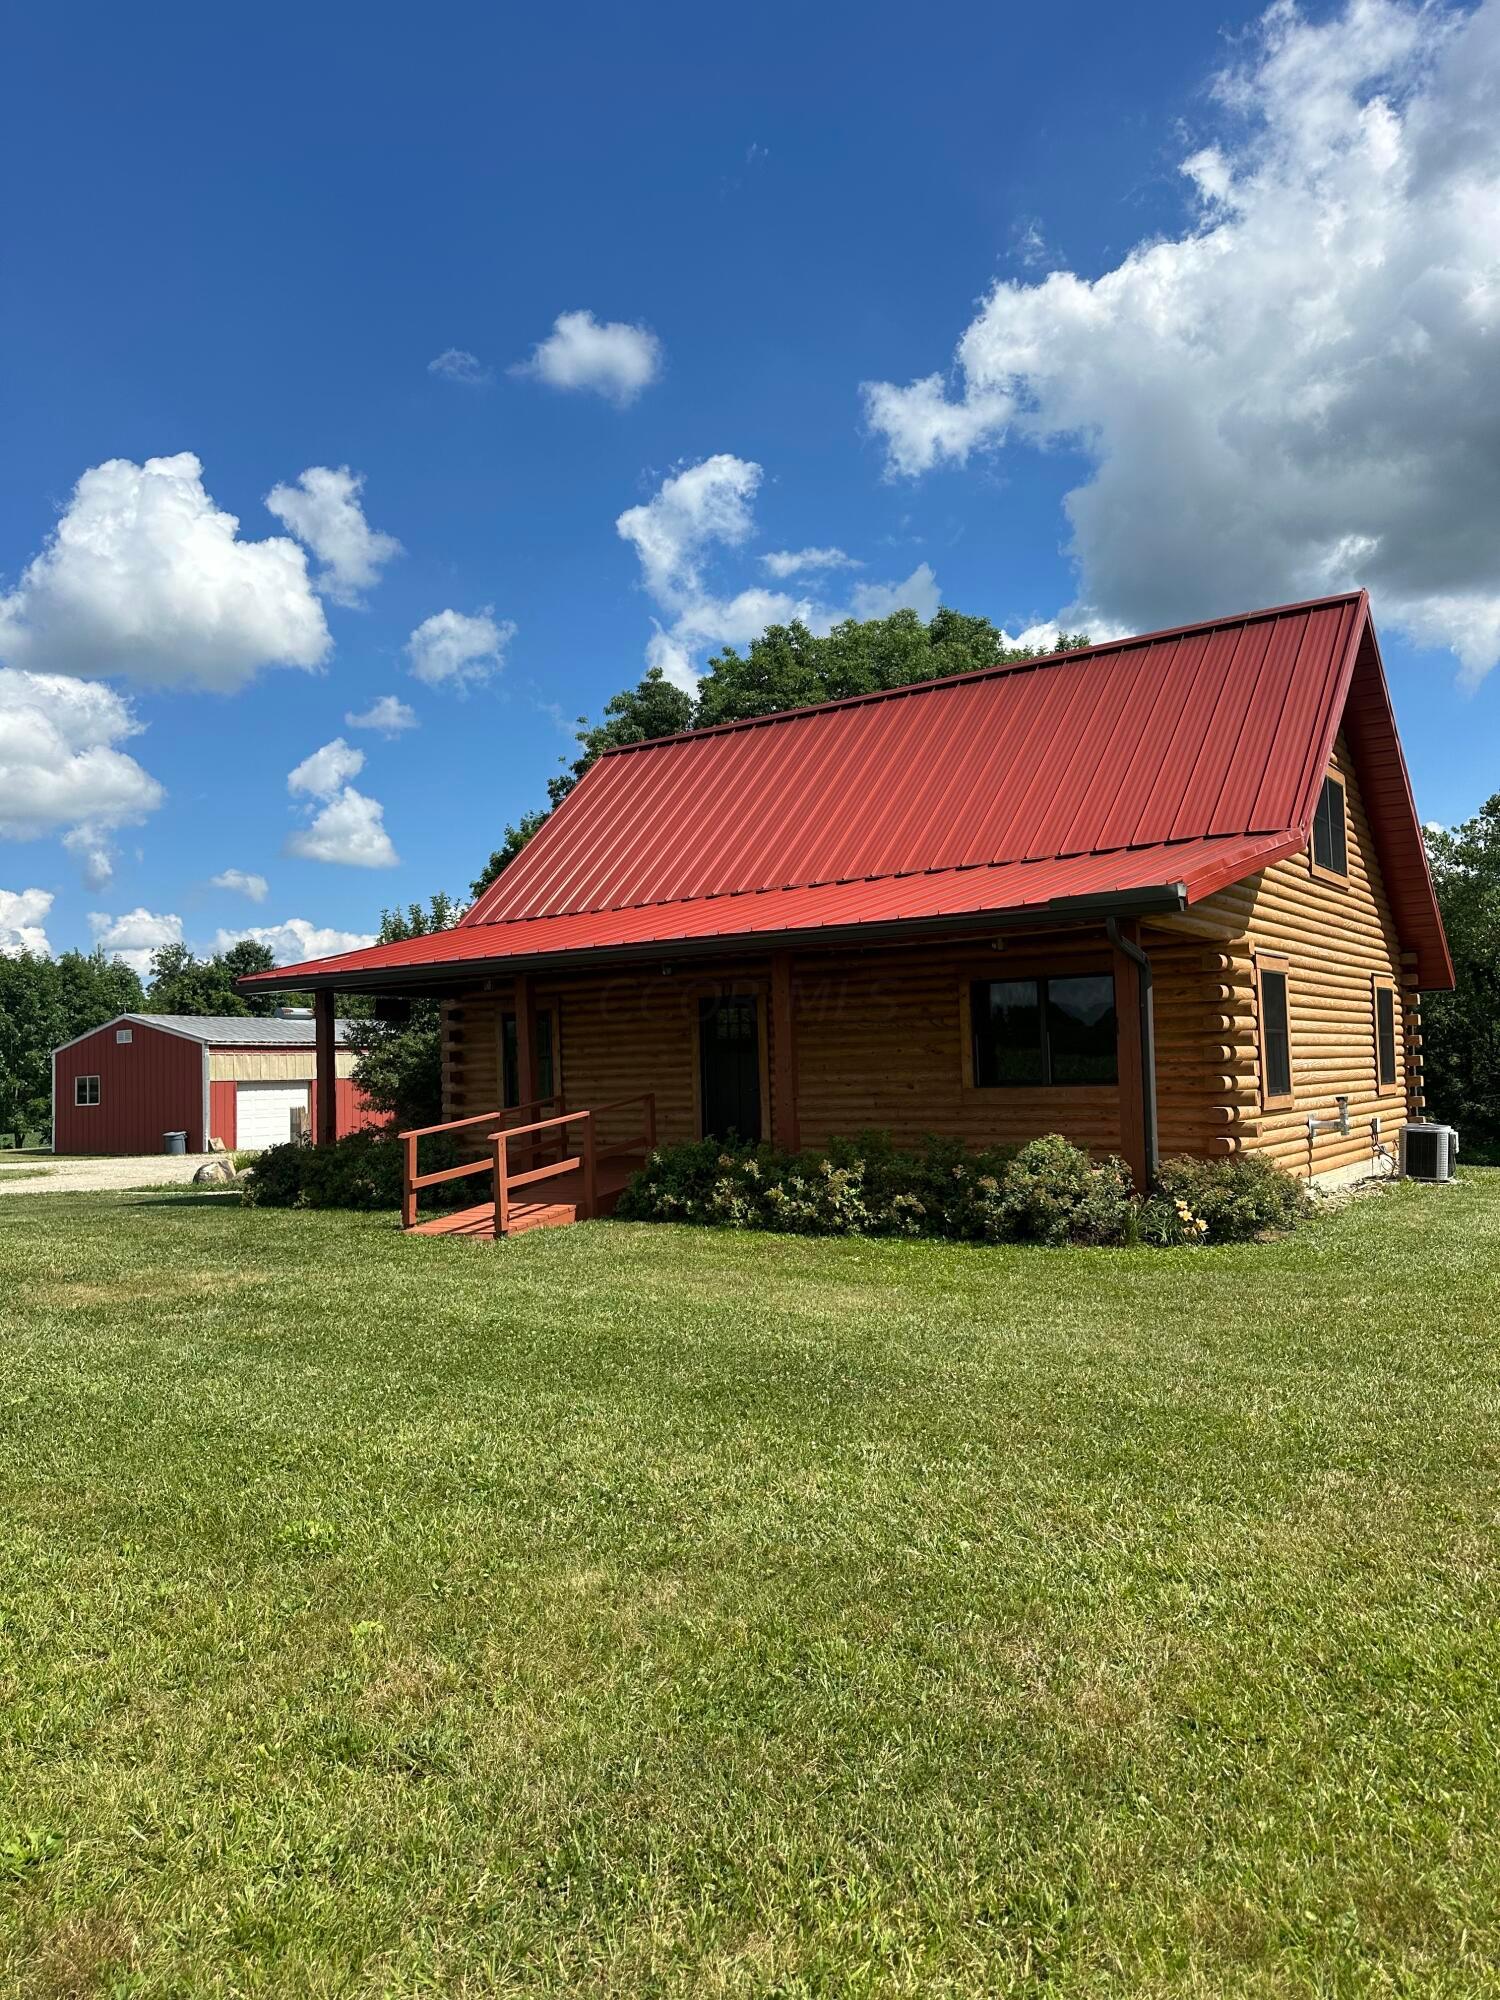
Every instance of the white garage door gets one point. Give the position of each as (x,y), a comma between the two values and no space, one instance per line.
(263,1112)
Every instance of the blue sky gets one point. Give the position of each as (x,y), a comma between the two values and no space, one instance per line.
(247,237)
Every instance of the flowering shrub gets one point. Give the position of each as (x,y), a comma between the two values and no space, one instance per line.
(1049,1192)
(1237,1199)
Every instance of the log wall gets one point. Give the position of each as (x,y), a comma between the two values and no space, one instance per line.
(1337,937)
(882,1036)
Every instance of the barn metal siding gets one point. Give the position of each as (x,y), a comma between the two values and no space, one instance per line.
(1191,757)
(152,1084)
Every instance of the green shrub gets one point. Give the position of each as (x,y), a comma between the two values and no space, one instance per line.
(1237,1199)
(1054,1193)
(362,1170)
(1048,1192)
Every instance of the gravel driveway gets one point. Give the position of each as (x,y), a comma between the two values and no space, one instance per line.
(90,1176)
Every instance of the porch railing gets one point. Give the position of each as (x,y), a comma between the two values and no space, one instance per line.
(513,1149)
(585,1162)
(412,1182)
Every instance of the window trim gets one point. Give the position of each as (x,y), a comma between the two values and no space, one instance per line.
(1278,963)
(1315,867)
(1009,974)
(86,1103)
(1382,982)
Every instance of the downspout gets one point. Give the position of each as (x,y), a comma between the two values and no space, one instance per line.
(1142,964)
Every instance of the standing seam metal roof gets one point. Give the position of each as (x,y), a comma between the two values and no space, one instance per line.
(1193,756)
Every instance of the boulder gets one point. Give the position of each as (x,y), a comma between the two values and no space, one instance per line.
(214,1173)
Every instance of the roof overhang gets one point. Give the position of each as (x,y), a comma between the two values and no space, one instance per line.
(467,975)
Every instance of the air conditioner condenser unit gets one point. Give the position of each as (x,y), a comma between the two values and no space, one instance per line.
(1428,1152)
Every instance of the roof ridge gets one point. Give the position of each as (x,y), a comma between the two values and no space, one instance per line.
(974,674)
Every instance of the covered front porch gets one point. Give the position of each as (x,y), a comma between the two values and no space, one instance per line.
(559,1078)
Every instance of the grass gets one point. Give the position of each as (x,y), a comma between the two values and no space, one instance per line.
(649,1612)
(9,1173)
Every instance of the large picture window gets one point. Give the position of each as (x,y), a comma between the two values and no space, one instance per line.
(1330,846)
(1055,1031)
(1275,1032)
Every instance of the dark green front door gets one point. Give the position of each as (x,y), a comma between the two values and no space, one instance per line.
(729,1045)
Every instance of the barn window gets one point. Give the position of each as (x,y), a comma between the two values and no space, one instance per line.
(124,1034)
(1385,1032)
(85,1090)
(1330,847)
(1275,1032)
(1044,1031)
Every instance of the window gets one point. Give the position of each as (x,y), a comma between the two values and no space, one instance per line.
(1330,848)
(1385,1032)
(1044,1031)
(85,1090)
(124,1034)
(1275,1032)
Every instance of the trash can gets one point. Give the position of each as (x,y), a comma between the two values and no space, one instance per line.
(174,1142)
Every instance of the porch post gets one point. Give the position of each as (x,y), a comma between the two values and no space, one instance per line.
(325,1085)
(1135,1043)
(526,1079)
(785,1125)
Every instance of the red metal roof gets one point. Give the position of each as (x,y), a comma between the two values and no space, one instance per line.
(1189,757)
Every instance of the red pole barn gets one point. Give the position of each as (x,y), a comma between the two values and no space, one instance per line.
(246,1082)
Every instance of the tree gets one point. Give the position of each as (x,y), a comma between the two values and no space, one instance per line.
(45,1002)
(399,1064)
(182,983)
(1461,1029)
(788,666)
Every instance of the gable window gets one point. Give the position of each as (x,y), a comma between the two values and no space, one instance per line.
(1330,845)
(1275,1031)
(85,1090)
(124,1034)
(1044,1031)
(1385,1032)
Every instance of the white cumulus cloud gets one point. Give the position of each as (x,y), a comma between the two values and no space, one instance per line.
(386,713)
(296,939)
(457,364)
(240,883)
(917,592)
(60,770)
(706,508)
(451,647)
(135,936)
(143,575)
(320,775)
(614,359)
(799,562)
(23,912)
(323,510)
(349,829)
(1296,392)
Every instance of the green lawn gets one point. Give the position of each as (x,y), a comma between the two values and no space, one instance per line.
(653,1612)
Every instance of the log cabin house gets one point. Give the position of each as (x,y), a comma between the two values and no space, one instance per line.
(1164,895)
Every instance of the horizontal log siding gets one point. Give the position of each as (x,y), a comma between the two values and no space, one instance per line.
(1336,937)
(880,1045)
(880,1048)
